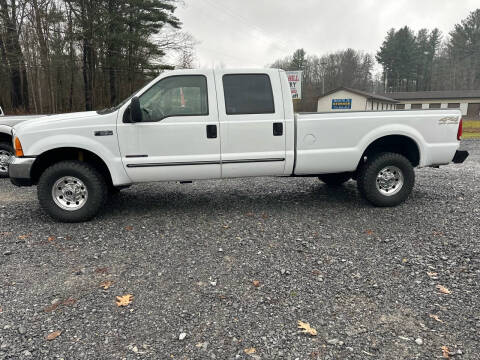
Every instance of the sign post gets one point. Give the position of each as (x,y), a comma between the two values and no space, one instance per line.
(295,80)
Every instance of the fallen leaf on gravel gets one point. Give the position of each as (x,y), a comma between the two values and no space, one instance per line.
(106,284)
(404,260)
(69,301)
(369,232)
(435,317)
(53,335)
(66,302)
(445,352)
(256,283)
(103,270)
(226,226)
(250,351)
(443,289)
(306,329)
(51,238)
(124,300)
(129,228)
(432,274)
(51,307)
(23,237)
(264,216)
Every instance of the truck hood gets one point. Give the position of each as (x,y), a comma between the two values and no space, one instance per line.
(55,121)
(14,120)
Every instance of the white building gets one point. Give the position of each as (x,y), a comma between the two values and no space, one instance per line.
(468,101)
(347,99)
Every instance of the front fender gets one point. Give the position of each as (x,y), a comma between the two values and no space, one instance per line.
(107,150)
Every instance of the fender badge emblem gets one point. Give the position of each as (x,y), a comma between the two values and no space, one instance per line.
(449,120)
(103,133)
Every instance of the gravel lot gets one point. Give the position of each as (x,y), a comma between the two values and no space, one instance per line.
(365,278)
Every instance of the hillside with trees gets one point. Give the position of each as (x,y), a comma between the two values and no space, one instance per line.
(68,55)
(425,60)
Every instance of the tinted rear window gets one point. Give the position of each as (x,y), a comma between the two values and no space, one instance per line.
(248,94)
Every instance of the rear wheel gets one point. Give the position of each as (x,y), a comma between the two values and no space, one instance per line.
(386,179)
(6,151)
(72,191)
(335,179)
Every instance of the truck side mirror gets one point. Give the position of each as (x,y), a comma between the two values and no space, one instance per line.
(135,110)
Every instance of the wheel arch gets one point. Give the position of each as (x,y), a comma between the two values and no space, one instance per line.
(5,134)
(396,143)
(50,157)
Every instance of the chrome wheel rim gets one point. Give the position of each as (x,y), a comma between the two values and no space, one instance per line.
(69,193)
(4,159)
(390,180)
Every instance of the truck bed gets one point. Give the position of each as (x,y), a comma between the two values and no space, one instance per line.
(335,141)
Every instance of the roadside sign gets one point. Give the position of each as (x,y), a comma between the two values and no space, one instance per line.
(295,80)
(341,104)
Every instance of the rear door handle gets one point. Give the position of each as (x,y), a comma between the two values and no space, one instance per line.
(212,131)
(277,129)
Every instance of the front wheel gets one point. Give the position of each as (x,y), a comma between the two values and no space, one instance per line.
(72,191)
(386,179)
(6,151)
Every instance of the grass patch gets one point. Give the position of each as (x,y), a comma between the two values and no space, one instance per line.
(471,129)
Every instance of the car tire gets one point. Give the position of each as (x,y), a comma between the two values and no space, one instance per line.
(6,150)
(72,191)
(335,179)
(386,179)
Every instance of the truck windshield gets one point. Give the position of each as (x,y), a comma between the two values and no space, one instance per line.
(115,108)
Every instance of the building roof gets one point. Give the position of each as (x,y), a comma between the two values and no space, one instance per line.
(363,93)
(432,95)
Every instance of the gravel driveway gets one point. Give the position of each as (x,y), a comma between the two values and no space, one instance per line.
(225,269)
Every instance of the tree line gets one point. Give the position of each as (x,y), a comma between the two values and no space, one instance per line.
(349,68)
(68,55)
(426,60)
(412,61)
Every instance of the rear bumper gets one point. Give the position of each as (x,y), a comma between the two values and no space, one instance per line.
(460,156)
(19,170)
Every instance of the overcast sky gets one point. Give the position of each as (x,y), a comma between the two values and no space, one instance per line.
(254,33)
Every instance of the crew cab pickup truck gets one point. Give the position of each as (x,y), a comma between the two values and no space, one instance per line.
(209,124)
(6,149)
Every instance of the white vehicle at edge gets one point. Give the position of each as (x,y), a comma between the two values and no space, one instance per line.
(210,124)
(6,149)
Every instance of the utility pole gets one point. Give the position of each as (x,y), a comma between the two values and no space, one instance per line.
(324,70)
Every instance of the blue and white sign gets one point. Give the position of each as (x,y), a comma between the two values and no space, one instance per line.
(338,104)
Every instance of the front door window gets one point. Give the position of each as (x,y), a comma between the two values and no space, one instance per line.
(184,95)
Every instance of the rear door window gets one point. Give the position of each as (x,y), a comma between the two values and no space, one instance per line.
(248,94)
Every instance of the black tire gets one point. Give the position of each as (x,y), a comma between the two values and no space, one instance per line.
(367,179)
(113,190)
(92,179)
(5,148)
(335,179)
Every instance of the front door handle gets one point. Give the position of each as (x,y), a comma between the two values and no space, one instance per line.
(212,131)
(277,129)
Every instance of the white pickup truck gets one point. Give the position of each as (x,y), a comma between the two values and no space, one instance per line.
(209,124)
